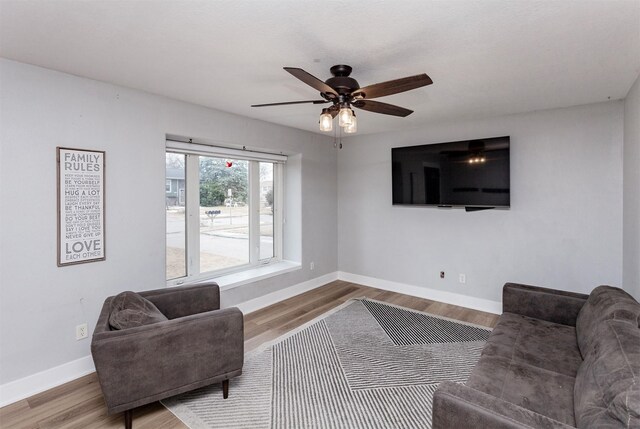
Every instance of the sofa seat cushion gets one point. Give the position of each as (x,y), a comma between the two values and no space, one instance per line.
(542,391)
(129,310)
(535,342)
(531,363)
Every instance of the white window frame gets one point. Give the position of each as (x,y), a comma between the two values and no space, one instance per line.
(192,154)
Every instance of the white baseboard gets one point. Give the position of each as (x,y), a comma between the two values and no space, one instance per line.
(424,292)
(33,384)
(280,295)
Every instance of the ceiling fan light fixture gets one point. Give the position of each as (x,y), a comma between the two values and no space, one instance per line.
(353,126)
(343,92)
(326,120)
(345,115)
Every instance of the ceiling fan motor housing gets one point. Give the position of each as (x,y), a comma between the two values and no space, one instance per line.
(341,82)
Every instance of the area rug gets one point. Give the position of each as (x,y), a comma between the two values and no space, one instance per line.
(366,364)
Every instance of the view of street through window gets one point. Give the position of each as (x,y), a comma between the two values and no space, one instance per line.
(223,214)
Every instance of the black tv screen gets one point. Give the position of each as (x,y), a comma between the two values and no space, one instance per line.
(469,173)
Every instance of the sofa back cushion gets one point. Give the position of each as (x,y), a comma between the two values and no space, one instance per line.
(607,388)
(128,310)
(604,303)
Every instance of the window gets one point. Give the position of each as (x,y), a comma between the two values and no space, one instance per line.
(266,210)
(168,185)
(225,215)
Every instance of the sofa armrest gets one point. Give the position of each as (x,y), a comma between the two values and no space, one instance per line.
(140,363)
(552,305)
(457,406)
(182,301)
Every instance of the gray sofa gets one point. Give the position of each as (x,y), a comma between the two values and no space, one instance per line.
(554,360)
(200,344)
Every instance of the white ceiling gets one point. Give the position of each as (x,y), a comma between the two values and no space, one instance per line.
(485,57)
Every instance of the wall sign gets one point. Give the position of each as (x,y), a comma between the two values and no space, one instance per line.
(80,206)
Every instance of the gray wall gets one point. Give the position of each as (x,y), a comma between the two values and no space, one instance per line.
(564,228)
(631,214)
(40,303)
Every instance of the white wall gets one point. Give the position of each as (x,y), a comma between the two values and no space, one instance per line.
(564,228)
(631,213)
(40,304)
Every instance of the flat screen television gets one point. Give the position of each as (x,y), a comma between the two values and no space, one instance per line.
(470,173)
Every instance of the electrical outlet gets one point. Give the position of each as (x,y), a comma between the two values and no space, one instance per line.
(82,331)
(312,266)
(462,278)
(441,274)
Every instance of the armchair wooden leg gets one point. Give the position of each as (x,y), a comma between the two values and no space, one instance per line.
(225,389)
(128,419)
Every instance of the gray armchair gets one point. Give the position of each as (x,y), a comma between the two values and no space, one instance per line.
(199,345)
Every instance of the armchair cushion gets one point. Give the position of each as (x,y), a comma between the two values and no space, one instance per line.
(129,310)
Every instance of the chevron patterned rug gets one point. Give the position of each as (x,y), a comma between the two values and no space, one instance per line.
(366,364)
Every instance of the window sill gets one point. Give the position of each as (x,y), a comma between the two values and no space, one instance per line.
(234,280)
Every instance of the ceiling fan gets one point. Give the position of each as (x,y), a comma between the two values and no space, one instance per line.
(344,92)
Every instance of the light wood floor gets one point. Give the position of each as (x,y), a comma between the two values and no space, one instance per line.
(79,403)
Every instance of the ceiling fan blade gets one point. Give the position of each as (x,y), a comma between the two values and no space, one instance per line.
(384,108)
(290,102)
(311,80)
(394,86)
